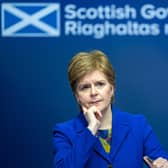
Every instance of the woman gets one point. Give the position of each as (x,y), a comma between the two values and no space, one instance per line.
(102,136)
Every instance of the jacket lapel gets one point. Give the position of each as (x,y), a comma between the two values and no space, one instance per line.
(100,151)
(82,124)
(120,130)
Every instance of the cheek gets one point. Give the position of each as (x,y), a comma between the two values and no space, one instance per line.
(81,98)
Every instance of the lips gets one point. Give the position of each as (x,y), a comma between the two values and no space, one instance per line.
(95,102)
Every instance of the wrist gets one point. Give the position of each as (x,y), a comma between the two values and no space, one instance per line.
(93,129)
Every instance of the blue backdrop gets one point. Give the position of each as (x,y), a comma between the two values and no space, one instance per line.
(34,89)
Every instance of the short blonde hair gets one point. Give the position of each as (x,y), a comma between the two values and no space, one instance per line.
(85,62)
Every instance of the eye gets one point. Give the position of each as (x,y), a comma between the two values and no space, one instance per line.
(100,84)
(84,87)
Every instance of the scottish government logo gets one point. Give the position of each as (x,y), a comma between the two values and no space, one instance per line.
(96,21)
(30,19)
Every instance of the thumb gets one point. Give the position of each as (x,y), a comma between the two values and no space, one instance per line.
(149,161)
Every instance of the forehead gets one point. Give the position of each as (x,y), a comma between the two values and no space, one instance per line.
(92,77)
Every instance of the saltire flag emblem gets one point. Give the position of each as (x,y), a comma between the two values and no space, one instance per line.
(30,19)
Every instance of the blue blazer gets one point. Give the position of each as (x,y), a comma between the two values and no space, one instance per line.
(132,138)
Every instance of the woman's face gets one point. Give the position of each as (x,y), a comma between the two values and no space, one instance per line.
(94,90)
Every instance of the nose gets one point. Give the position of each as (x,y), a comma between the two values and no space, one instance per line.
(93,91)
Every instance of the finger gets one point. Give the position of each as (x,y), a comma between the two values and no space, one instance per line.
(160,162)
(84,109)
(166,164)
(149,161)
(98,116)
(97,112)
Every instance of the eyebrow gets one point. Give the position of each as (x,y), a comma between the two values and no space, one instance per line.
(88,83)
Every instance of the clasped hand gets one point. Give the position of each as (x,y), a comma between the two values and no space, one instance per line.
(93,117)
(158,163)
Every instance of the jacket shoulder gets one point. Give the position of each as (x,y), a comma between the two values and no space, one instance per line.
(137,120)
(66,126)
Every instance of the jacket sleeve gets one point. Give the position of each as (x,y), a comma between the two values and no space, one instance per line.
(152,146)
(72,151)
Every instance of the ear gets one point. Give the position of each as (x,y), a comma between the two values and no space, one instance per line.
(112,93)
(112,90)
